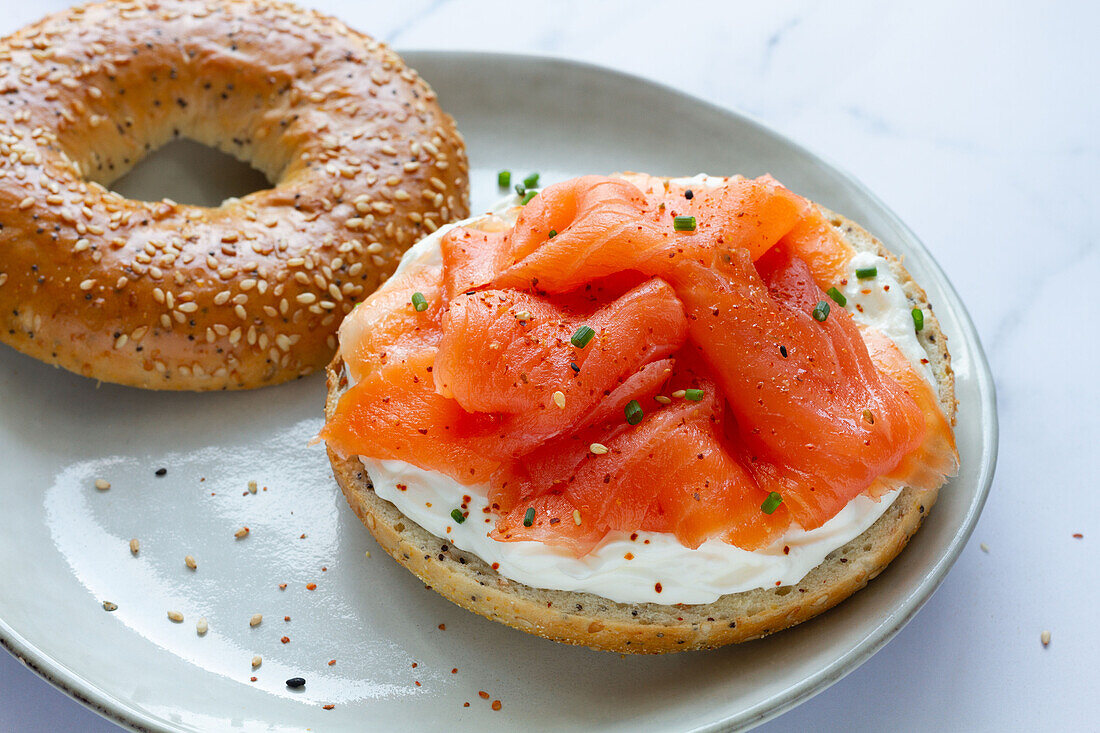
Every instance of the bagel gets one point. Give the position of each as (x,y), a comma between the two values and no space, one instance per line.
(592,620)
(162,295)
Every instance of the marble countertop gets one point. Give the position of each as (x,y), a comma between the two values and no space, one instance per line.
(977,124)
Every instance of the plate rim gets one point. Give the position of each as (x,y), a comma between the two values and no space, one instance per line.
(121,712)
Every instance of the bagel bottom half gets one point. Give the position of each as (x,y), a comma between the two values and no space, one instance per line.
(650,628)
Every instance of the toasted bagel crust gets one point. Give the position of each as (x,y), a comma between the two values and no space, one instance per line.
(167,296)
(591,620)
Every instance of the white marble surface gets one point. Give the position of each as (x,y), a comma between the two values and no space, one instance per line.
(976,123)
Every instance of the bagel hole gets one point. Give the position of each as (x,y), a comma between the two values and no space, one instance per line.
(189,172)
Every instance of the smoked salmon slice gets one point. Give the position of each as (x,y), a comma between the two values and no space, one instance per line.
(603,366)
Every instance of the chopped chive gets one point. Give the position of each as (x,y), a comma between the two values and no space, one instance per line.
(821,311)
(420,303)
(528,196)
(918,318)
(504,179)
(865,273)
(633,412)
(456,514)
(837,296)
(529,517)
(582,336)
(771,503)
(531,181)
(553,233)
(693,394)
(683,223)
(520,189)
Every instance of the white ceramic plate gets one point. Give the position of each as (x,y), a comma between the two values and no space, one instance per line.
(64,548)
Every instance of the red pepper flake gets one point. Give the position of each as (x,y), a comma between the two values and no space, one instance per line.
(251,679)
(454,670)
(1078,536)
(786,549)
(302,536)
(496,705)
(443,627)
(324,569)
(286,618)
(465,704)
(496,566)
(311,586)
(657,587)
(628,556)
(285,640)
(331,662)
(417,682)
(414,665)
(483,694)
(328,707)
(282,586)
(779,582)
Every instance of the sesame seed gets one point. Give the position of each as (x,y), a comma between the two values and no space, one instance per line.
(1045,638)
(256,620)
(577,517)
(598,449)
(306,298)
(257,661)
(189,561)
(87,284)
(175,617)
(135,546)
(678,394)
(984,546)
(108,606)
(201,627)
(662,399)
(26,203)
(102,484)
(241,533)
(559,399)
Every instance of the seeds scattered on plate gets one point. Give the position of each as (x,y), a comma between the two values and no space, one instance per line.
(256,661)
(201,627)
(242,532)
(256,620)
(135,546)
(252,487)
(1045,638)
(161,471)
(102,484)
(984,546)
(367,553)
(175,617)
(108,606)
(598,449)
(559,399)
(296,682)
(189,561)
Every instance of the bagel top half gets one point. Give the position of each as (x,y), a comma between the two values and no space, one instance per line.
(168,296)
